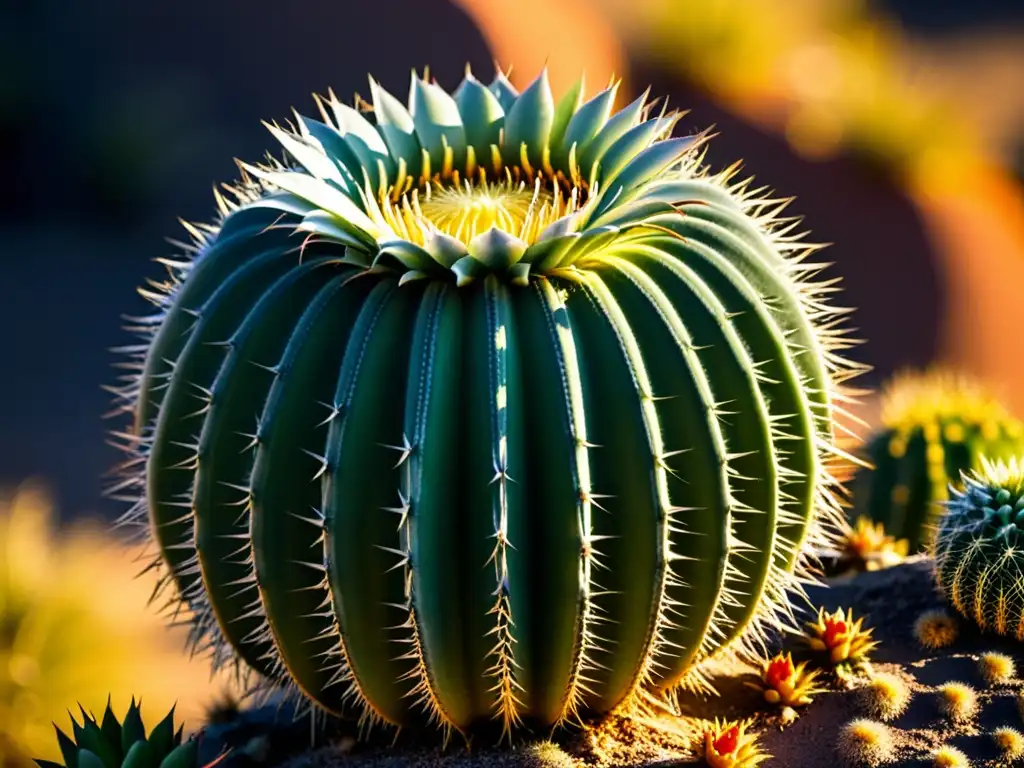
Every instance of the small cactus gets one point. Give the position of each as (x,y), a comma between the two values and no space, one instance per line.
(546,754)
(110,743)
(786,684)
(727,744)
(867,547)
(865,742)
(936,424)
(844,640)
(979,548)
(1010,742)
(885,696)
(936,629)
(958,701)
(949,757)
(997,668)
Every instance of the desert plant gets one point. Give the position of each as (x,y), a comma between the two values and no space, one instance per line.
(949,757)
(545,754)
(885,696)
(843,641)
(109,744)
(865,742)
(75,627)
(727,744)
(785,683)
(1010,742)
(958,701)
(978,548)
(936,424)
(866,546)
(546,342)
(997,668)
(935,629)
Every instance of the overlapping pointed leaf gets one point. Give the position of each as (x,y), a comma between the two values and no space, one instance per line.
(347,173)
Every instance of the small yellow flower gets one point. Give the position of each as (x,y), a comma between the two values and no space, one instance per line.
(867,547)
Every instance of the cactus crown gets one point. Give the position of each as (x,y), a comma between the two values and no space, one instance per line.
(481,181)
(112,744)
(913,399)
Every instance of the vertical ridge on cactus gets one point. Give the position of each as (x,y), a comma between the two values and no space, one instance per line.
(500,408)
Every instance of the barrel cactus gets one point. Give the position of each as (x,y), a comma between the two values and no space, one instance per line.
(496,410)
(978,548)
(935,425)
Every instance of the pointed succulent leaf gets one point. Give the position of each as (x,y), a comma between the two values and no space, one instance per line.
(519,273)
(548,254)
(89,759)
(591,152)
(496,249)
(409,255)
(335,146)
(308,156)
(438,124)
(567,106)
(467,269)
(92,739)
(366,144)
(141,755)
(68,748)
(111,729)
(585,124)
(482,115)
(178,735)
(648,164)
(396,125)
(132,729)
(161,738)
(328,225)
(324,197)
(631,145)
(624,214)
(504,91)
(529,123)
(46,763)
(183,756)
(444,249)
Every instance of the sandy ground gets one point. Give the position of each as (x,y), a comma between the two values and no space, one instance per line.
(891,600)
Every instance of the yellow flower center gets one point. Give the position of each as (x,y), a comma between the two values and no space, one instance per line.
(465,210)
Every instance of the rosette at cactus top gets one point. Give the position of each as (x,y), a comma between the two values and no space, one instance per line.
(496,410)
(979,548)
(935,425)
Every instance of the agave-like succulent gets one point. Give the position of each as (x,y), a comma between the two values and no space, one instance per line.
(867,547)
(113,744)
(785,683)
(565,397)
(842,640)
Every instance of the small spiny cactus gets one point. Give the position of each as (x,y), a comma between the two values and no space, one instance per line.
(867,547)
(841,639)
(727,744)
(785,683)
(949,757)
(936,629)
(865,742)
(1010,742)
(545,754)
(885,696)
(997,668)
(588,381)
(936,424)
(979,548)
(958,701)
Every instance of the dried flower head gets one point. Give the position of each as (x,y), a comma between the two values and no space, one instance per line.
(997,668)
(1010,742)
(865,742)
(949,757)
(885,696)
(958,701)
(935,629)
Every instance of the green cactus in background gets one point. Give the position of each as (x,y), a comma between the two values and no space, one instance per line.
(499,409)
(936,424)
(112,744)
(978,546)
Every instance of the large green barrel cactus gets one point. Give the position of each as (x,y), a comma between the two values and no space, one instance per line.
(978,548)
(499,408)
(936,424)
